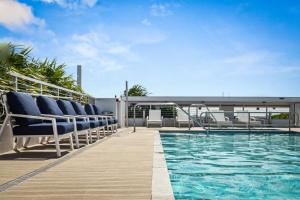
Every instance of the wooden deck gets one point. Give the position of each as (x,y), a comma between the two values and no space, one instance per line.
(119,167)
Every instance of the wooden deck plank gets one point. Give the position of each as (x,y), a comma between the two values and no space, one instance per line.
(118,168)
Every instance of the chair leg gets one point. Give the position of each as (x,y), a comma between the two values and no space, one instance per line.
(42,140)
(103,129)
(16,144)
(76,140)
(27,140)
(58,153)
(98,134)
(91,139)
(87,137)
(71,142)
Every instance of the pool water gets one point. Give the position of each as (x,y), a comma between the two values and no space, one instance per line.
(227,165)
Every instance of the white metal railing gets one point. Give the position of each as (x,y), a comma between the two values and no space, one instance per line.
(248,119)
(211,119)
(18,76)
(52,90)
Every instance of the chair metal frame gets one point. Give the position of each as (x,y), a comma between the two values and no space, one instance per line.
(55,135)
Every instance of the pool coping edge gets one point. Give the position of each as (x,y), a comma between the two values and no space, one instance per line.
(161,185)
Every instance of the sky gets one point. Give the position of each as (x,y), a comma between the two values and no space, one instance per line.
(171,47)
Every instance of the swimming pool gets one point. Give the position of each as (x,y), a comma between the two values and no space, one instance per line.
(233,165)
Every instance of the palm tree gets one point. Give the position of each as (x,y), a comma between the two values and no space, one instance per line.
(138,90)
(17,58)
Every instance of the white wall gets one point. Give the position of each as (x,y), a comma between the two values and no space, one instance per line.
(106,104)
(111,105)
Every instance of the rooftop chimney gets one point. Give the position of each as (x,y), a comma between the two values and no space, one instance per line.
(79,75)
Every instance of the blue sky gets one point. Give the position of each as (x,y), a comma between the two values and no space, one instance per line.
(172,47)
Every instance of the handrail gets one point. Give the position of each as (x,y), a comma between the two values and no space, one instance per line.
(17,75)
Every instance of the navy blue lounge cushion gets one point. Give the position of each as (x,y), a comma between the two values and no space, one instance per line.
(43,129)
(102,122)
(97,110)
(21,103)
(82,125)
(66,107)
(110,121)
(94,124)
(49,106)
(89,109)
(78,108)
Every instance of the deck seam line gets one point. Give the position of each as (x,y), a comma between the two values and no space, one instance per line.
(20,179)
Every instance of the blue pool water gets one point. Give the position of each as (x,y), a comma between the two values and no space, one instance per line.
(232,166)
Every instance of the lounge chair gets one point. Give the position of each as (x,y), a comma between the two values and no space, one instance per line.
(221,119)
(95,123)
(243,117)
(111,120)
(104,123)
(183,118)
(29,122)
(49,107)
(68,110)
(154,117)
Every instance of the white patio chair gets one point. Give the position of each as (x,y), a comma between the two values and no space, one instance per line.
(243,117)
(154,117)
(183,118)
(221,119)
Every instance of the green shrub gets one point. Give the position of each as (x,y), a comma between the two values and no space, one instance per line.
(281,116)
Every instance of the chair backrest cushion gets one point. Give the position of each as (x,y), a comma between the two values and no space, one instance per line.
(97,110)
(89,109)
(66,107)
(78,108)
(49,106)
(154,114)
(243,116)
(219,116)
(21,103)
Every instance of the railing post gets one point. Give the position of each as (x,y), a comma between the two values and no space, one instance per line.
(16,84)
(41,89)
(174,117)
(134,118)
(289,120)
(126,104)
(208,118)
(249,121)
(189,109)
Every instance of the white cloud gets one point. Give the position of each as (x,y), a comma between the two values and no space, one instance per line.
(258,62)
(26,43)
(15,15)
(96,48)
(73,4)
(250,58)
(162,9)
(146,22)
